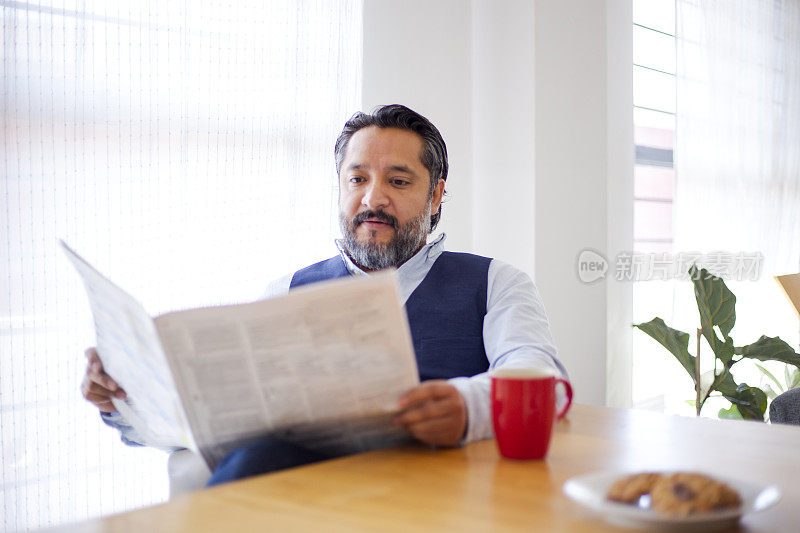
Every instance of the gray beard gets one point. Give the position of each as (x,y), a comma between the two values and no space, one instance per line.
(375,256)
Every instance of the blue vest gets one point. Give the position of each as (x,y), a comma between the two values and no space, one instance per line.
(445,312)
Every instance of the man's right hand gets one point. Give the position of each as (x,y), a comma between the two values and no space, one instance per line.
(97,386)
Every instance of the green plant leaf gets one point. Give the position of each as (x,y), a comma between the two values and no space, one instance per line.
(676,341)
(770,349)
(792,377)
(724,383)
(725,352)
(770,376)
(794,380)
(717,306)
(770,392)
(751,401)
(731,413)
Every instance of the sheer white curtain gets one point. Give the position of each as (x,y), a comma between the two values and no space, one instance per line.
(186,148)
(737,152)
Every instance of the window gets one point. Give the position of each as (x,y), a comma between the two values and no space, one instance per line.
(654,109)
(715,177)
(186,149)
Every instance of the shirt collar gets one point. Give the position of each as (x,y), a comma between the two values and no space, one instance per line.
(427,255)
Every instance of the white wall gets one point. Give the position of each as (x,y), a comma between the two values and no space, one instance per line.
(619,165)
(418,53)
(503,131)
(524,95)
(570,206)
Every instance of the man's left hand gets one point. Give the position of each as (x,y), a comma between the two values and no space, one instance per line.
(434,412)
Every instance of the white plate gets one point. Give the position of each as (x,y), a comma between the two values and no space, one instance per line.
(590,491)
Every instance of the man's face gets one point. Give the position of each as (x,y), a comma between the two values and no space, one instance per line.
(384,197)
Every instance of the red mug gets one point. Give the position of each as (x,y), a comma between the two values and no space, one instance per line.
(524,411)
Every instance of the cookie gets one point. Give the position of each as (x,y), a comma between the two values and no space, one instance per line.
(630,488)
(686,493)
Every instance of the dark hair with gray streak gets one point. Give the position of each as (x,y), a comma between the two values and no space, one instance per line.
(434,151)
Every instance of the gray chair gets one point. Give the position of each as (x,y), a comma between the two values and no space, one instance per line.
(785,409)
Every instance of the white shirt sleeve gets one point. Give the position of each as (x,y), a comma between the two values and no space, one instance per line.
(516,334)
(278,287)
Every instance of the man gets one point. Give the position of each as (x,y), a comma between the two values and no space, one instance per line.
(467,313)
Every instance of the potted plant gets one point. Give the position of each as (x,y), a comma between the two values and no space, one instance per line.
(717,307)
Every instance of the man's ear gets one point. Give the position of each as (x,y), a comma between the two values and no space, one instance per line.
(436,199)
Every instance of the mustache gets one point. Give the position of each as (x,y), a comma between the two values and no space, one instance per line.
(381,216)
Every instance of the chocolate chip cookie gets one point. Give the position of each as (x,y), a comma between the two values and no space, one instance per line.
(686,493)
(630,488)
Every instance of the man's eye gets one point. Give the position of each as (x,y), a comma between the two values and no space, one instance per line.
(400,182)
(356,179)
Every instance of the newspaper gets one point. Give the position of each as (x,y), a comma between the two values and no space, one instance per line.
(322,366)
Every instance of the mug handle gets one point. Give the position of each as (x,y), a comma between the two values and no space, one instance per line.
(568,388)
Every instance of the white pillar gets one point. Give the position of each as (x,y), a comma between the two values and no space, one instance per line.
(584,184)
(619,224)
(503,131)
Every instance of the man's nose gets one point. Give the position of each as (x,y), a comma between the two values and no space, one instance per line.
(375,196)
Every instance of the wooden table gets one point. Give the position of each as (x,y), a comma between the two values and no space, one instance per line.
(414,488)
